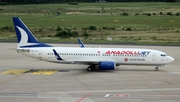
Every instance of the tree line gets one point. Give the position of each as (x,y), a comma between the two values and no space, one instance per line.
(4,2)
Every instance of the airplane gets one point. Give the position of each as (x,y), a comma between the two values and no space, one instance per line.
(96,58)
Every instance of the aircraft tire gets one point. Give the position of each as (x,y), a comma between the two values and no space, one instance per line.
(156,69)
(89,69)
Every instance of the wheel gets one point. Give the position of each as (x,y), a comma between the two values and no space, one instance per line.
(93,67)
(89,69)
(156,69)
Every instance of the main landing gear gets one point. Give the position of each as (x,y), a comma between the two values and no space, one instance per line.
(91,67)
(156,69)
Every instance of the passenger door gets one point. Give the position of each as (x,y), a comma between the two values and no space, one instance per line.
(40,54)
(154,57)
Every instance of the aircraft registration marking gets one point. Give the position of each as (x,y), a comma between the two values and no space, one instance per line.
(14,71)
(45,72)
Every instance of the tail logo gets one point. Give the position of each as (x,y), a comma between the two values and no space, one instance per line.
(24,37)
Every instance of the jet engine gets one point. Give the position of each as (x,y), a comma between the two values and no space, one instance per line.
(107,65)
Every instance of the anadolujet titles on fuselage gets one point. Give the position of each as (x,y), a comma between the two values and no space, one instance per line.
(101,58)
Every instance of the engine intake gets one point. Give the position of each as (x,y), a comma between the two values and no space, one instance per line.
(107,65)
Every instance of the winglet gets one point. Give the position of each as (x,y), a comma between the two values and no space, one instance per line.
(57,55)
(80,43)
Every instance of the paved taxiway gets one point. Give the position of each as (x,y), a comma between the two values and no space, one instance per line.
(23,79)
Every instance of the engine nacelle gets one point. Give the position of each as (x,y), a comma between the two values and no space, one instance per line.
(107,65)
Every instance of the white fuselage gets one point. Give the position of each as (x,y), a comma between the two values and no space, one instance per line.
(121,56)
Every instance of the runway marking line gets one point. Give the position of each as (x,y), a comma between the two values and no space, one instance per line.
(83,98)
(121,95)
(4,81)
(41,72)
(45,72)
(107,95)
(14,72)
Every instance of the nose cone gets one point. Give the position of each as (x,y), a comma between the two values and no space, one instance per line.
(170,59)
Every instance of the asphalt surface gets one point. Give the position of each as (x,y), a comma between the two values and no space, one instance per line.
(24,79)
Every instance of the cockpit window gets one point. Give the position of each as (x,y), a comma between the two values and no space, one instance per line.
(163,55)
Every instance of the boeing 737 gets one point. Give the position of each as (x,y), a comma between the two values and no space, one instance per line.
(101,58)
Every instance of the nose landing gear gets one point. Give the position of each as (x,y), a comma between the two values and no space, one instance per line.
(89,69)
(156,69)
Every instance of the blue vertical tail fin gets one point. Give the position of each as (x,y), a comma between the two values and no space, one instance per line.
(24,35)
